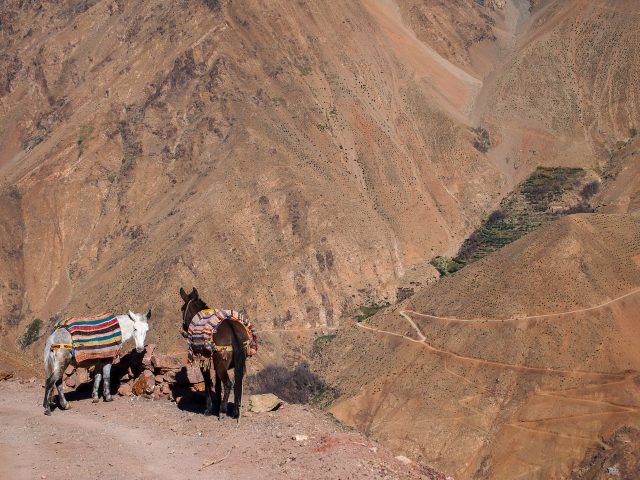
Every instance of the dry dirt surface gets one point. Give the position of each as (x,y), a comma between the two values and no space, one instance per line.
(143,439)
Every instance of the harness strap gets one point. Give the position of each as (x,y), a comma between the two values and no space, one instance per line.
(61,346)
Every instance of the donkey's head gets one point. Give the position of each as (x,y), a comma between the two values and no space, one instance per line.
(192,305)
(140,328)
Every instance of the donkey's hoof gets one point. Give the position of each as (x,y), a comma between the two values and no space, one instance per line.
(208,413)
(66,406)
(47,411)
(108,399)
(95,399)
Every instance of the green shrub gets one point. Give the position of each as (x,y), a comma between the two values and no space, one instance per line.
(445,265)
(31,334)
(370,310)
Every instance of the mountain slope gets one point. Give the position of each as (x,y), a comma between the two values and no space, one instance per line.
(515,365)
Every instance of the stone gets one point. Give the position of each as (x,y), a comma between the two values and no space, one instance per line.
(82,375)
(70,369)
(145,383)
(70,381)
(189,375)
(404,460)
(148,353)
(198,387)
(266,402)
(165,389)
(300,438)
(125,390)
(169,376)
(165,362)
(159,378)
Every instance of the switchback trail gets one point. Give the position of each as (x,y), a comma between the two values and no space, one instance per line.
(478,361)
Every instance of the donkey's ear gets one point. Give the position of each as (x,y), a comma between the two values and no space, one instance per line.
(194,293)
(184,295)
(148,314)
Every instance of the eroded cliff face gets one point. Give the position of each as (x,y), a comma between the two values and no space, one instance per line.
(281,157)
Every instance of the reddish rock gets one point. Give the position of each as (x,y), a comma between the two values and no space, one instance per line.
(194,375)
(165,362)
(189,375)
(199,387)
(82,375)
(125,390)
(148,353)
(145,383)
(159,378)
(70,381)
(165,389)
(70,369)
(170,376)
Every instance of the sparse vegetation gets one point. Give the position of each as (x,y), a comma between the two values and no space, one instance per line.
(549,183)
(482,142)
(320,342)
(590,189)
(445,265)
(370,310)
(31,334)
(305,69)
(633,132)
(83,137)
(526,209)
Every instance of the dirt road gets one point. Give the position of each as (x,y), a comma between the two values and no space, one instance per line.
(136,438)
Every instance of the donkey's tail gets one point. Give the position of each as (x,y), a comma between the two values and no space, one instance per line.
(239,359)
(49,357)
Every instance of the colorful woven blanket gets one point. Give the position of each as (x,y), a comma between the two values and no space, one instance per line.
(201,330)
(93,337)
(205,324)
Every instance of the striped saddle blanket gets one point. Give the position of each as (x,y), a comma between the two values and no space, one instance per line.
(205,324)
(93,337)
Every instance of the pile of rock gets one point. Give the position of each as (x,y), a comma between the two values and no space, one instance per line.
(150,374)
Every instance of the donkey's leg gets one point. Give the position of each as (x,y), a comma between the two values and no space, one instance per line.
(50,382)
(106,382)
(206,373)
(95,393)
(218,402)
(62,367)
(228,385)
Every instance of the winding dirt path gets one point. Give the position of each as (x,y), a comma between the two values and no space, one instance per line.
(526,317)
(479,361)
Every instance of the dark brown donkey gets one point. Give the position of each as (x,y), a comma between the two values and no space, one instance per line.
(229,333)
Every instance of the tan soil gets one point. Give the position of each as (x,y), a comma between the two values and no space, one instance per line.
(143,439)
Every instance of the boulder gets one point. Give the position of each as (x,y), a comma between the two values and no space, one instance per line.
(148,354)
(165,362)
(266,402)
(159,378)
(145,383)
(82,375)
(70,381)
(125,389)
(170,376)
(189,375)
(70,369)
(165,389)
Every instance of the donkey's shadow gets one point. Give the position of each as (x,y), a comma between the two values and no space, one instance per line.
(196,402)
